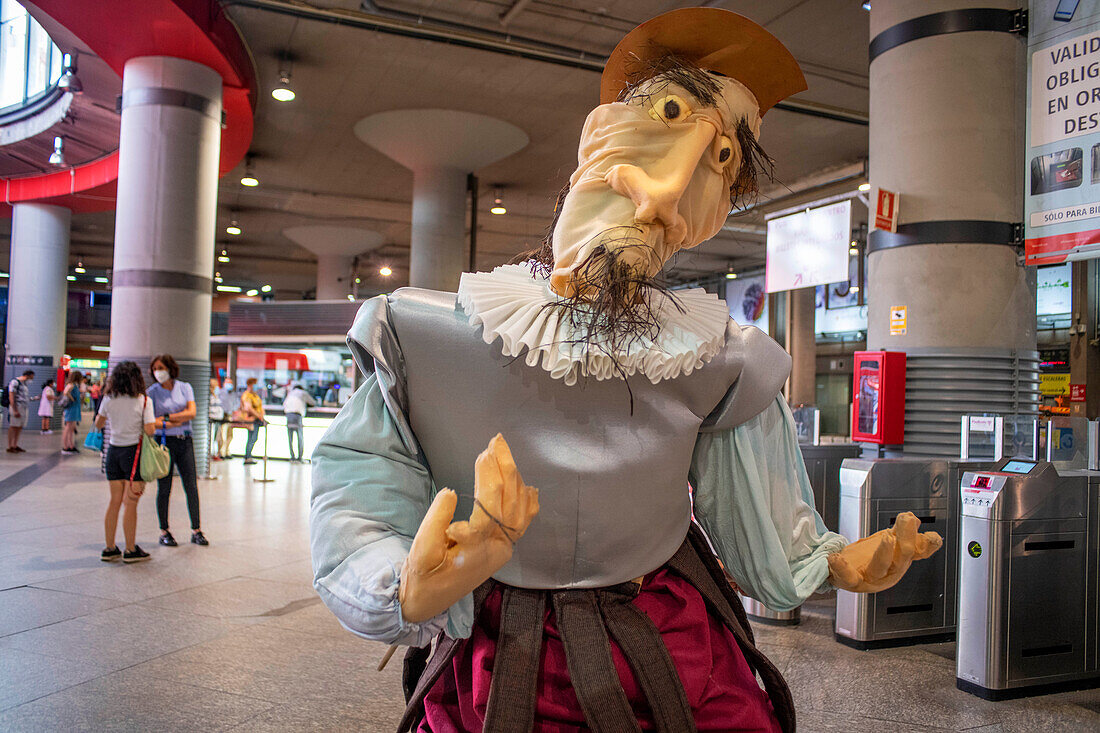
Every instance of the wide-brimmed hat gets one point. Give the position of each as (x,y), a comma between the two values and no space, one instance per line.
(716,40)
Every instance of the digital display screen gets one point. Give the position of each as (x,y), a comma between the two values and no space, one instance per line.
(981,482)
(1018,467)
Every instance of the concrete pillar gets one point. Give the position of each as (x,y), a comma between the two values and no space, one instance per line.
(946,127)
(438,252)
(440,147)
(333,277)
(37,296)
(164,223)
(802,345)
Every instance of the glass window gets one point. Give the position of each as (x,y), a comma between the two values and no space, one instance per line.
(30,63)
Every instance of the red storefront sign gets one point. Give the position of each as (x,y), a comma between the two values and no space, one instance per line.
(1077,393)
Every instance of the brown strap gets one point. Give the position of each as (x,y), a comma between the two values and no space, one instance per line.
(689,563)
(514,687)
(648,656)
(446,649)
(591,669)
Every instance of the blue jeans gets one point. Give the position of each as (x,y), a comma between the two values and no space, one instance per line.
(253,435)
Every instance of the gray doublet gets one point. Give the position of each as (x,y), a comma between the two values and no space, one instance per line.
(613,486)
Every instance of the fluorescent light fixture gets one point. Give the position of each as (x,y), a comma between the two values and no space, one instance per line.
(253,291)
(249,180)
(101,279)
(228,289)
(853,251)
(97,347)
(498,204)
(233,228)
(385,271)
(223,257)
(865,187)
(70,278)
(854,289)
(79,269)
(731,275)
(282,92)
(4,274)
(265,289)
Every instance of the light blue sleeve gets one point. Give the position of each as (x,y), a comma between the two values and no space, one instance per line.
(369,496)
(753,498)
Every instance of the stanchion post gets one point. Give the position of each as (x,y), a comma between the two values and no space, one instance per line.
(265,479)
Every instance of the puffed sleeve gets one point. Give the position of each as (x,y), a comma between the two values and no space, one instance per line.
(753,498)
(370,493)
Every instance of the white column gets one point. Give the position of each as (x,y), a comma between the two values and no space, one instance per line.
(37,292)
(333,276)
(170,139)
(438,252)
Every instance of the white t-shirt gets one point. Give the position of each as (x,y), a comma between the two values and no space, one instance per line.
(125,418)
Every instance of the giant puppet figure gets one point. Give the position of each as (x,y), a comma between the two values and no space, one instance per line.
(594,601)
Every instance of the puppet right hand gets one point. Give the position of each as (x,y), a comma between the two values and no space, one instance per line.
(449,560)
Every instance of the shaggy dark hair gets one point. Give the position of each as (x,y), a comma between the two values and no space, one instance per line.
(126,380)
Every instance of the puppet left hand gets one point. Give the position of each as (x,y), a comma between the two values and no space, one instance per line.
(877,562)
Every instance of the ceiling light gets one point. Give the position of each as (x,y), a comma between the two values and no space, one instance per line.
(228,289)
(853,251)
(385,271)
(865,187)
(101,279)
(249,178)
(854,289)
(79,269)
(253,291)
(731,275)
(351,297)
(57,157)
(97,347)
(265,289)
(69,81)
(867,6)
(223,257)
(358,280)
(283,92)
(4,274)
(234,228)
(70,278)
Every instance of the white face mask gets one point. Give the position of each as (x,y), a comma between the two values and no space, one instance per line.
(161,375)
(228,384)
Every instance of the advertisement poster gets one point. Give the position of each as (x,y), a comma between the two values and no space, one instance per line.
(748,301)
(809,248)
(1052,292)
(1062,148)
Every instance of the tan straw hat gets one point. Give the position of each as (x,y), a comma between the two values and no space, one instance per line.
(716,40)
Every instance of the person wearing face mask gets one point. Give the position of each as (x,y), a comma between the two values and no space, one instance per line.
(174,407)
(228,400)
(252,408)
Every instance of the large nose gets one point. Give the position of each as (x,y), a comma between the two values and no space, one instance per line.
(656,187)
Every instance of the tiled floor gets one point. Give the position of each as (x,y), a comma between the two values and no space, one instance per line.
(232,637)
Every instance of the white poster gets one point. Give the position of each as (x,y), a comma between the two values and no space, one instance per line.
(748,301)
(1052,290)
(809,248)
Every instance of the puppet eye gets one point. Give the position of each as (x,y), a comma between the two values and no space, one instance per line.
(670,109)
(725,150)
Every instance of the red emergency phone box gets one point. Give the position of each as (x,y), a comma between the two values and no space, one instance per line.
(878,397)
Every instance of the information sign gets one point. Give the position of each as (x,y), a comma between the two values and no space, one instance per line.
(899,320)
(809,248)
(1062,151)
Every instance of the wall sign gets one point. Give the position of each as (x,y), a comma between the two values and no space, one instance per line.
(809,248)
(1077,393)
(899,320)
(20,360)
(886,211)
(1062,151)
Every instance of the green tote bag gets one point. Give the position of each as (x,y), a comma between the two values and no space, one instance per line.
(155,461)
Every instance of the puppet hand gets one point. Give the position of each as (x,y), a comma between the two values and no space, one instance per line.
(877,562)
(448,560)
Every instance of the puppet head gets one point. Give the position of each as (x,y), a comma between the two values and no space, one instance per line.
(667,154)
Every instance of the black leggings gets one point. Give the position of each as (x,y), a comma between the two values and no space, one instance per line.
(182,451)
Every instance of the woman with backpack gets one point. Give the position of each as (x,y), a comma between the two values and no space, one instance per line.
(69,401)
(130,414)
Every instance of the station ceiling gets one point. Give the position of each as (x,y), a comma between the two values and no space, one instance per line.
(313,170)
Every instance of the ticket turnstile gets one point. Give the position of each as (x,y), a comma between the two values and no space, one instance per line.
(1029,561)
(921,607)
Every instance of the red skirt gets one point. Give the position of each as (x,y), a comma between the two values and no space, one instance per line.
(722,690)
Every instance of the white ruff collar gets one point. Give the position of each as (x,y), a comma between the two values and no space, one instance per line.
(509,303)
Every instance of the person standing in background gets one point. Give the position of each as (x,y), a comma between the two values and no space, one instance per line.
(294,407)
(174,407)
(253,408)
(229,402)
(217,418)
(130,414)
(95,393)
(18,400)
(45,406)
(70,406)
